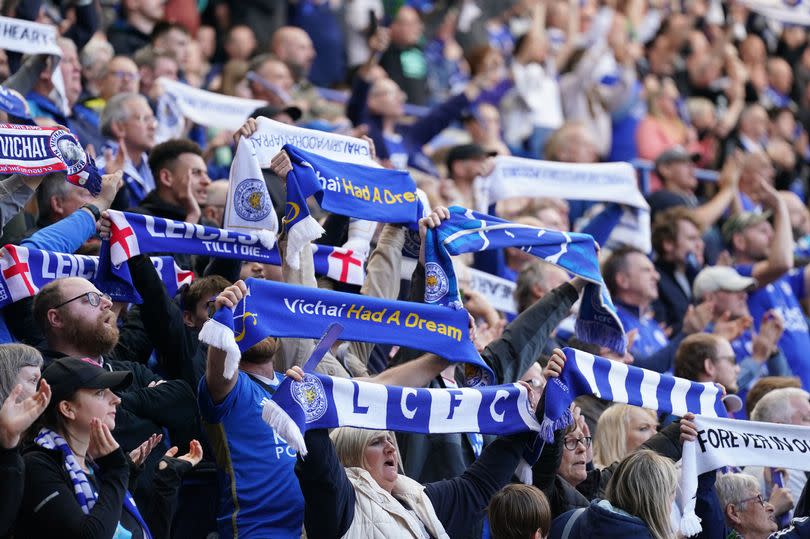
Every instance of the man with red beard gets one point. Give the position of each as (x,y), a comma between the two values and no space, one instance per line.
(78,320)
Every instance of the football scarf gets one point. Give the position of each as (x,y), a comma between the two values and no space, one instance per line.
(282,310)
(467,231)
(34,151)
(615,183)
(133,234)
(728,442)
(373,194)
(587,374)
(24,271)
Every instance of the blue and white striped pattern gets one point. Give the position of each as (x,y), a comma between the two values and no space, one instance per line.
(85,494)
(468,231)
(587,374)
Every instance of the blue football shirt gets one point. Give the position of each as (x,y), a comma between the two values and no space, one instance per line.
(259,493)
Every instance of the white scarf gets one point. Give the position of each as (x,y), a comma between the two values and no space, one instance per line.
(34,38)
(729,442)
(599,182)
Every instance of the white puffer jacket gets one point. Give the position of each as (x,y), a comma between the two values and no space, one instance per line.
(379,515)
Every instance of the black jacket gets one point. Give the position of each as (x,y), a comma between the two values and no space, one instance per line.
(153,205)
(148,410)
(329,498)
(431,457)
(46,515)
(49,507)
(12,473)
(563,497)
(673,301)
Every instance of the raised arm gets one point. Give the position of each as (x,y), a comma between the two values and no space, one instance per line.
(218,385)
(780,255)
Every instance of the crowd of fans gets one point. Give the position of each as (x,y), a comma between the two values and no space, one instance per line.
(98,395)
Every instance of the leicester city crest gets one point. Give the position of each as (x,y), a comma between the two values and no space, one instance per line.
(65,146)
(436,282)
(251,201)
(310,396)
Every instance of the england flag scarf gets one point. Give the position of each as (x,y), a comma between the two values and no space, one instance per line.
(34,151)
(374,194)
(133,234)
(324,402)
(467,231)
(587,374)
(282,310)
(729,442)
(24,271)
(615,183)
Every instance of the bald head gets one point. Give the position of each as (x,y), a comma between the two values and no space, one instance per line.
(214,208)
(780,75)
(294,47)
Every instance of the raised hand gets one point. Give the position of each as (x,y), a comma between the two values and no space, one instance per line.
(140,453)
(17,415)
(102,442)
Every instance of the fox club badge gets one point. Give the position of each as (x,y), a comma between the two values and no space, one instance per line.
(65,146)
(310,396)
(436,282)
(251,201)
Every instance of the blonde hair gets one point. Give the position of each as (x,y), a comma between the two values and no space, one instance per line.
(629,490)
(350,445)
(610,439)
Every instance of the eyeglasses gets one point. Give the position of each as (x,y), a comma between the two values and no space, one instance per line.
(125,75)
(571,443)
(758,498)
(93,298)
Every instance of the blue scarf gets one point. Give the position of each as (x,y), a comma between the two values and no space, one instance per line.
(467,231)
(321,402)
(283,310)
(373,194)
(587,374)
(133,234)
(24,270)
(33,151)
(13,103)
(85,494)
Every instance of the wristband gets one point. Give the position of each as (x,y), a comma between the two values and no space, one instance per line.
(92,208)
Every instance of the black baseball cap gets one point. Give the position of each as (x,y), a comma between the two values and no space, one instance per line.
(66,375)
(270,111)
(466,151)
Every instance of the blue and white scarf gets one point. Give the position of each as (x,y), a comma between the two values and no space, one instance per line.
(283,310)
(467,231)
(133,234)
(85,494)
(587,374)
(320,402)
(613,183)
(84,491)
(34,151)
(24,271)
(374,194)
